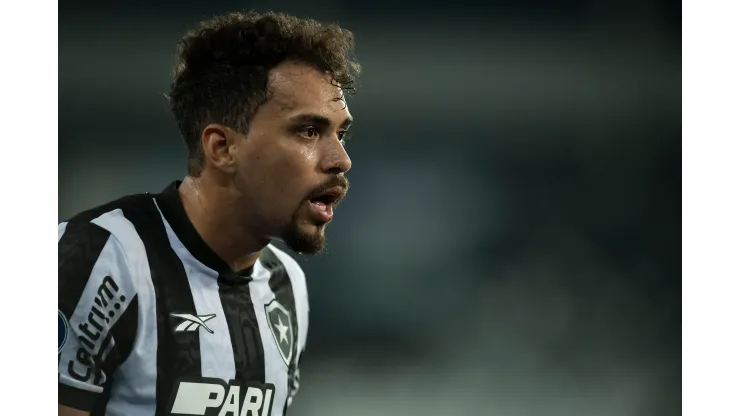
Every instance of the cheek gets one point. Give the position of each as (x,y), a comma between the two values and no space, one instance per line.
(297,159)
(279,178)
(308,153)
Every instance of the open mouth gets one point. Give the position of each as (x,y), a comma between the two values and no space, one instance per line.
(323,204)
(325,199)
(329,197)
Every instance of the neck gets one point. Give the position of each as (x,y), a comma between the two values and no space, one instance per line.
(213,209)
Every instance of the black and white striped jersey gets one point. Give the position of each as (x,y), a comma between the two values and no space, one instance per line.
(153,322)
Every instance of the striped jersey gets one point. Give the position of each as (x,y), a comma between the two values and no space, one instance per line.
(153,322)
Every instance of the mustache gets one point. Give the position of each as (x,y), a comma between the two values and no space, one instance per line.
(334,181)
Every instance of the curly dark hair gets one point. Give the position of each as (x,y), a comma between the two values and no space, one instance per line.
(223,65)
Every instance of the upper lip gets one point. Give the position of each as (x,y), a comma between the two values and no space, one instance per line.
(332,194)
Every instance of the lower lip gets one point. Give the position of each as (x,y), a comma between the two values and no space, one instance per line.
(324,212)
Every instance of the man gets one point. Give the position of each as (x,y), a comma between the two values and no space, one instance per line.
(176,303)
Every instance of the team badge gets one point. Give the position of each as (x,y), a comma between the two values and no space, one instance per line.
(281,327)
(63,330)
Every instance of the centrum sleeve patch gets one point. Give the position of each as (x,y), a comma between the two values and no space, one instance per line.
(63,331)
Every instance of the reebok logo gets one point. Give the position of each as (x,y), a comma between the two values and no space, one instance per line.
(191,323)
(211,397)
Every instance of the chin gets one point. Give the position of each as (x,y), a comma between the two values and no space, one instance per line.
(306,238)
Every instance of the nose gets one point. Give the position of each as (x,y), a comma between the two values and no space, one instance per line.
(336,160)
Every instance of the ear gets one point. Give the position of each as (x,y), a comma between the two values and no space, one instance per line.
(217,141)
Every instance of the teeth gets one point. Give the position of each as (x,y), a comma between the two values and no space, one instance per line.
(323,207)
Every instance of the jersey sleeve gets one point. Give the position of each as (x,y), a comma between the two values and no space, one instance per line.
(98,312)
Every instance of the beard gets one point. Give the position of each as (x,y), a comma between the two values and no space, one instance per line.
(304,237)
(307,237)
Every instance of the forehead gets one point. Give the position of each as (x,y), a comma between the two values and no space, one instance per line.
(297,88)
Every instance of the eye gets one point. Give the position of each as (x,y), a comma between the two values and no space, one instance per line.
(309,132)
(343,136)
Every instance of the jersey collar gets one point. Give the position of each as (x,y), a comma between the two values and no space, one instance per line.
(174,212)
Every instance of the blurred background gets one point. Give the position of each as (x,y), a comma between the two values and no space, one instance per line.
(511,243)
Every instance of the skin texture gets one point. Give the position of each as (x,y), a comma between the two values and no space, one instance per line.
(256,187)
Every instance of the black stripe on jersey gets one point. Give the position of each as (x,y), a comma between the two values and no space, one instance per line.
(233,289)
(124,334)
(74,397)
(246,342)
(91,214)
(79,249)
(283,289)
(172,294)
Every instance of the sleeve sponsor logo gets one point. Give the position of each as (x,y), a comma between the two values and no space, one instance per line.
(204,396)
(108,303)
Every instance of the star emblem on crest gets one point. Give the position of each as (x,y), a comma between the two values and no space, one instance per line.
(281,327)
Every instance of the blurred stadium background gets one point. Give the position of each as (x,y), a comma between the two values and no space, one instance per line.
(511,245)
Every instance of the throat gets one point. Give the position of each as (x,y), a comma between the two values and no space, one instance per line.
(230,241)
(243,266)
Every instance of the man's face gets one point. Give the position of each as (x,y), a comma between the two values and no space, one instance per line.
(291,165)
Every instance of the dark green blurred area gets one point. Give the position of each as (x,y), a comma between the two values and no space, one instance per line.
(511,243)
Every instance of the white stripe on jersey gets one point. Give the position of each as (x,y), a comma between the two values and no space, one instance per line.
(216,354)
(60,230)
(135,382)
(300,293)
(110,262)
(275,371)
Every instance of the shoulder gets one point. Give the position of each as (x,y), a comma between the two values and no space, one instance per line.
(106,225)
(116,216)
(118,209)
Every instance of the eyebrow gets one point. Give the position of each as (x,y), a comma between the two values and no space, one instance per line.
(320,120)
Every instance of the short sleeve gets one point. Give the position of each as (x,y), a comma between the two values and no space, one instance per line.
(98,312)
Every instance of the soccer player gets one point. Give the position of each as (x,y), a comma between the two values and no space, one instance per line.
(176,303)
